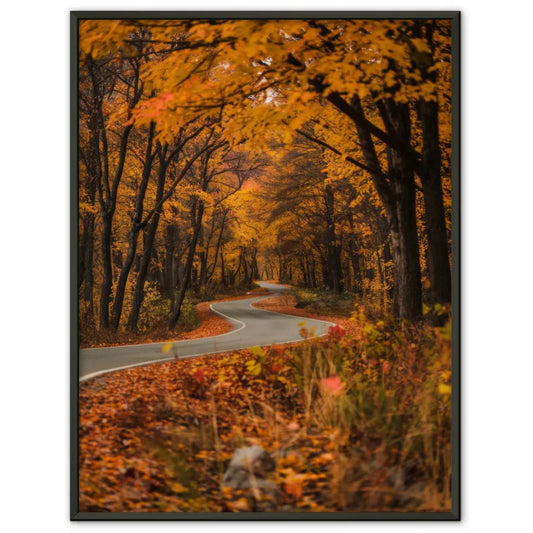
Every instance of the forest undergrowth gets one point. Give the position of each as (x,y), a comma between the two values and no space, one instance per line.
(357,421)
(196,319)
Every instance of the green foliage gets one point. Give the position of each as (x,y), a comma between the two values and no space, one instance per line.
(326,302)
(256,365)
(188,316)
(155,309)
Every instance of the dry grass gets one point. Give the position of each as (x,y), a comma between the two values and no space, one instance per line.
(356,424)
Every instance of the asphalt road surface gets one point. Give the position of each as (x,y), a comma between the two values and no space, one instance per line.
(251,327)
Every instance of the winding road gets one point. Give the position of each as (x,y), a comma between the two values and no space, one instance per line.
(251,327)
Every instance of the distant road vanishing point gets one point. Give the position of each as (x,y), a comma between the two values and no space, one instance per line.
(251,327)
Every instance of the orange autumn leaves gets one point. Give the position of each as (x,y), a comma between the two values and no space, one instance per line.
(332,385)
(158,438)
(135,449)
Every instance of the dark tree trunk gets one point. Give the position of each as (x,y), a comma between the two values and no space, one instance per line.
(188,266)
(211,270)
(149,238)
(232,272)
(407,292)
(107,235)
(106,187)
(430,176)
(170,278)
(354,261)
(202,278)
(86,262)
(153,218)
(199,276)
(311,274)
(397,193)
(107,232)
(245,264)
(334,267)
(107,282)
(134,232)
(88,226)
(407,301)
(88,220)
(438,261)
(222,269)
(301,262)
(254,270)
(381,278)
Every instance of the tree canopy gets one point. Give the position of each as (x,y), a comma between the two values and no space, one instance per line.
(215,152)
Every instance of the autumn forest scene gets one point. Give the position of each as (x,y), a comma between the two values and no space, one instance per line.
(264,265)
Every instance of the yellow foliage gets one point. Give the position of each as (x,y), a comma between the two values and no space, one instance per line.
(167,347)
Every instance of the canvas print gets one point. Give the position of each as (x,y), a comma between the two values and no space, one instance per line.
(264,266)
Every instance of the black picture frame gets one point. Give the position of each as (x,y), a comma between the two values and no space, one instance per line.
(455,514)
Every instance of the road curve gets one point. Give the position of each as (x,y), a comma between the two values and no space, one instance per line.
(251,327)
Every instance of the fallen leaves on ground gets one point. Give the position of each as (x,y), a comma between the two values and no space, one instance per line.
(156,438)
(146,434)
(352,425)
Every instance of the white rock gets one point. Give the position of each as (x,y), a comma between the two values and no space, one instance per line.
(245,462)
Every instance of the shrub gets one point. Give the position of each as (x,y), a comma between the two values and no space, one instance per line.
(387,394)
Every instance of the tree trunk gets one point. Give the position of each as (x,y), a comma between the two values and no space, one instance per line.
(170,270)
(397,194)
(88,219)
(222,269)
(134,233)
(381,278)
(138,294)
(301,262)
(429,172)
(86,263)
(202,277)
(107,282)
(438,261)
(334,268)
(407,291)
(211,270)
(246,278)
(86,253)
(407,280)
(188,266)
(354,260)
(254,274)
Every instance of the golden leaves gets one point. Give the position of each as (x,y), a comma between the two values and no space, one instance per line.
(167,347)
(101,37)
(238,505)
(445,389)
(421,45)
(235,63)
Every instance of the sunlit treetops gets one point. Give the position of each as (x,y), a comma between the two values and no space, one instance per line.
(320,145)
(197,66)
